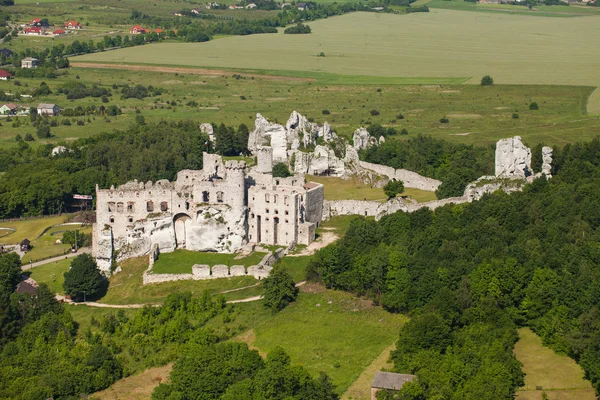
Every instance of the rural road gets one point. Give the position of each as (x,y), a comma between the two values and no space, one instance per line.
(82,250)
(102,305)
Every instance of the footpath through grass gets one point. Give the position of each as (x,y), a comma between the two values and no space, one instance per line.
(558,375)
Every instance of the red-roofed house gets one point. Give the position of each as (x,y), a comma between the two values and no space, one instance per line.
(159,31)
(36,22)
(35,30)
(71,24)
(136,30)
(4,75)
(59,32)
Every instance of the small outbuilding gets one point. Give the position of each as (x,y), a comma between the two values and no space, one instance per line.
(25,245)
(48,109)
(4,75)
(26,288)
(30,62)
(389,381)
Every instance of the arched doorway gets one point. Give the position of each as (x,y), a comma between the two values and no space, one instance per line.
(182,223)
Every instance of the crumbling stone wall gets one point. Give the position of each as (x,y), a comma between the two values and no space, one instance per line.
(411,179)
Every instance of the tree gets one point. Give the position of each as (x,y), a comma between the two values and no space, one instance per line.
(43,131)
(280,170)
(280,289)
(84,280)
(487,81)
(534,106)
(393,188)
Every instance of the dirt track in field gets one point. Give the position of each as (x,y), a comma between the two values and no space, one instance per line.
(192,71)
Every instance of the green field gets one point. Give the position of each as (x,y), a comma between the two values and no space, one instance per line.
(514,49)
(181,261)
(556,374)
(52,274)
(29,229)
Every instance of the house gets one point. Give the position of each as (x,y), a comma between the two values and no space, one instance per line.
(6,53)
(388,381)
(36,22)
(25,245)
(71,24)
(48,109)
(30,62)
(234,7)
(4,75)
(136,30)
(59,32)
(302,6)
(251,5)
(26,287)
(36,30)
(159,31)
(8,109)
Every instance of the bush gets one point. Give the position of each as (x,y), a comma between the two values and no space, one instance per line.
(444,120)
(280,289)
(374,112)
(487,81)
(43,131)
(84,279)
(534,106)
(280,170)
(299,28)
(29,137)
(404,131)
(393,188)
(326,112)
(399,116)
(515,116)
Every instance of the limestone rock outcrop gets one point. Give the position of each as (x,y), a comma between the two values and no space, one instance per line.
(547,161)
(360,139)
(490,184)
(513,158)
(208,129)
(268,134)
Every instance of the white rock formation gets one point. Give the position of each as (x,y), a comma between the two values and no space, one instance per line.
(513,158)
(490,184)
(268,134)
(300,130)
(361,138)
(208,129)
(58,150)
(381,139)
(547,161)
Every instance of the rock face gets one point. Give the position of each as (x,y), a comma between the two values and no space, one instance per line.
(58,150)
(513,158)
(208,129)
(361,138)
(298,133)
(547,161)
(490,184)
(323,161)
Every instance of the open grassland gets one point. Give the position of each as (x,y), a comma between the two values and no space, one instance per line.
(514,49)
(558,375)
(361,387)
(136,387)
(479,115)
(330,331)
(29,229)
(181,261)
(539,10)
(46,245)
(353,189)
(86,315)
(52,274)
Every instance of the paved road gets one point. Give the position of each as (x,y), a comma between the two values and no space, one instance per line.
(82,250)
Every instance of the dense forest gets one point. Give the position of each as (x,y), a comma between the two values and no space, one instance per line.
(37,183)
(470,274)
(456,165)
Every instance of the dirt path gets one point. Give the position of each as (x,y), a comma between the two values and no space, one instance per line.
(361,387)
(192,71)
(326,239)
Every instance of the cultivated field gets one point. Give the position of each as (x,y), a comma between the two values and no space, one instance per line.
(442,43)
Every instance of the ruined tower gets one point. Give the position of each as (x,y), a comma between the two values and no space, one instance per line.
(264,157)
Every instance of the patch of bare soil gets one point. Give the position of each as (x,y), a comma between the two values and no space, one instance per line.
(459,115)
(193,71)
(326,239)
(460,134)
(313,288)
(249,337)
(136,387)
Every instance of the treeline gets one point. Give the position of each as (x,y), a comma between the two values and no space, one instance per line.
(456,165)
(35,183)
(297,29)
(470,274)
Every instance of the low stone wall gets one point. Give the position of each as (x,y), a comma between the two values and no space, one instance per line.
(411,179)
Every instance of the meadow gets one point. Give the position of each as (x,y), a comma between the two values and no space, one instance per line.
(181,261)
(514,49)
(558,375)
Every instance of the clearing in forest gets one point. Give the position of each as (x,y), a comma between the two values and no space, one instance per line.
(557,375)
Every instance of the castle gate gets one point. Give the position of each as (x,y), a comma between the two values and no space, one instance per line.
(182,223)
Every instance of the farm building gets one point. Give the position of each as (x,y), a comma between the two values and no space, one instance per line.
(302,6)
(71,24)
(35,30)
(30,62)
(137,30)
(4,75)
(8,109)
(388,381)
(59,32)
(48,109)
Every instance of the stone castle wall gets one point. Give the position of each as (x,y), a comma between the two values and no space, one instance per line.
(411,179)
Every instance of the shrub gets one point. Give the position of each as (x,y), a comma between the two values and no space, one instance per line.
(43,131)
(393,188)
(534,106)
(280,170)
(298,29)
(326,112)
(29,137)
(515,116)
(242,97)
(374,112)
(399,116)
(487,81)
(404,131)
(444,120)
